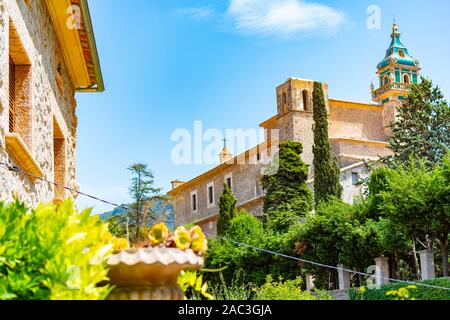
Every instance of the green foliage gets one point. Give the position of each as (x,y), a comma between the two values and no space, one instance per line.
(143,193)
(335,236)
(418,199)
(422,130)
(192,284)
(421,293)
(326,168)
(233,292)
(227,210)
(244,228)
(117,227)
(288,196)
(52,253)
(283,290)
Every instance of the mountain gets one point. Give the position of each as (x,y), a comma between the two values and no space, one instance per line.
(160,208)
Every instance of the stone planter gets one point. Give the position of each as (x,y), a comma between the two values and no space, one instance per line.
(150,273)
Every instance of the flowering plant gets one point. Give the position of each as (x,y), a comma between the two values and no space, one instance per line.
(159,236)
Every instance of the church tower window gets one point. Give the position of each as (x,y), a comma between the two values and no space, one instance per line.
(406,79)
(305,100)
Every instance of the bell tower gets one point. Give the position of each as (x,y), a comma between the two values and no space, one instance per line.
(396,73)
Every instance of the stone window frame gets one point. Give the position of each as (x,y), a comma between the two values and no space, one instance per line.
(194,204)
(19,139)
(59,162)
(229,176)
(210,186)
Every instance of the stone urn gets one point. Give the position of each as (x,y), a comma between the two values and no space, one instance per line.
(150,273)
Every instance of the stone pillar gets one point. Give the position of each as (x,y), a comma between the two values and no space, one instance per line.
(427,264)
(344,277)
(310,285)
(381,271)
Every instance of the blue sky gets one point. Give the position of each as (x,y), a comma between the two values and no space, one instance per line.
(168,63)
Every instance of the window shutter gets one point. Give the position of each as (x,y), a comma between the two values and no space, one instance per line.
(12,95)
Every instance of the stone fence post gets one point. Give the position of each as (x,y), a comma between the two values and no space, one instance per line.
(427,264)
(310,285)
(344,277)
(381,271)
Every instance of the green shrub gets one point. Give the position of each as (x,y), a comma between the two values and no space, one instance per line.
(288,290)
(52,253)
(421,293)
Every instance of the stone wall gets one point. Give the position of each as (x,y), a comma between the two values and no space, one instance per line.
(51,98)
(363,123)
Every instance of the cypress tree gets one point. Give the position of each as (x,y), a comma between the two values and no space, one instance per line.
(288,196)
(326,168)
(227,210)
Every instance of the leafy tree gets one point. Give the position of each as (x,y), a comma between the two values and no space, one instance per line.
(419,199)
(288,196)
(326,168)
(227,210)
(244,228)
(422,128)
(143,193)
(334,236)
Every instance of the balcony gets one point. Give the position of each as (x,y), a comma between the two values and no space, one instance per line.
(397,86)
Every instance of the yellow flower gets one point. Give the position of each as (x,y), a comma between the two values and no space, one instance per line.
(199,242)
(182,238)
(158,234)
(119,244)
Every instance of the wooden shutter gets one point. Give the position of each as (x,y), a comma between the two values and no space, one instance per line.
(12,95)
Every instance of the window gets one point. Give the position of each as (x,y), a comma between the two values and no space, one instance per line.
(401,54)
(355,178)
(194,202)
(229,180)
(305,100)
(210,189)
(12,93)
(258,156)
(386,80)
(406,78)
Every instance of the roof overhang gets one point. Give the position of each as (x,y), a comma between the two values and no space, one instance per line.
(77,44)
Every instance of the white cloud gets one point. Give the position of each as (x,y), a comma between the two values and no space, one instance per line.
(199,13)
(283,17)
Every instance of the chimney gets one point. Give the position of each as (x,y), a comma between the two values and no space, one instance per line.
(176,184)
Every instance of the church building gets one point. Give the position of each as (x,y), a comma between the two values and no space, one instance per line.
(358,133)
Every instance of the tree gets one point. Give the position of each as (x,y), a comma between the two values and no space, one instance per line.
(419,198)
(288,196)
(143,193)
(227,210)
(334,235)
(326,168)
(422,128)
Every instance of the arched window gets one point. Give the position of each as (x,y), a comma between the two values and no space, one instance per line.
(385,80)
(305,100)
(406,78)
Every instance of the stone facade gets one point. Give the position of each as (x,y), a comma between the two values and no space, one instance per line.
(42,138)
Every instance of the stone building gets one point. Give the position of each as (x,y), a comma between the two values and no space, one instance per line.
(358,133)
(47,54)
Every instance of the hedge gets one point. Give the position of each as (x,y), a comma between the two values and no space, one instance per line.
(421,293)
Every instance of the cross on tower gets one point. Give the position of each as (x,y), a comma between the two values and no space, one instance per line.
(224,142)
